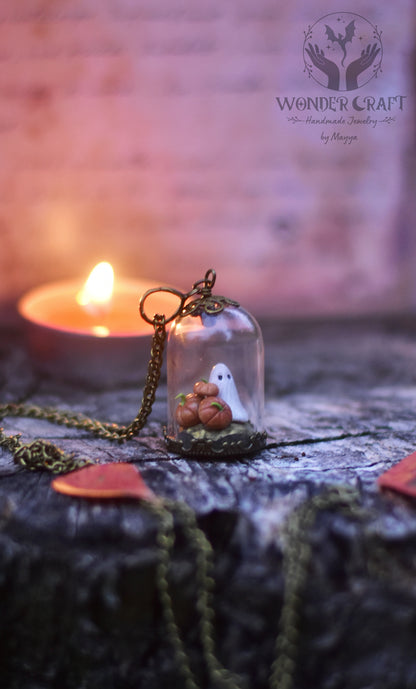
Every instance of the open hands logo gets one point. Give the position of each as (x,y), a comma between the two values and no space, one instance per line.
(342,51)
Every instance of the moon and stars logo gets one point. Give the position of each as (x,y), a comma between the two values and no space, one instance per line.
(342,51)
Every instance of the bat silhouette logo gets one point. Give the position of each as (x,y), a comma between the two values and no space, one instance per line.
(341,40)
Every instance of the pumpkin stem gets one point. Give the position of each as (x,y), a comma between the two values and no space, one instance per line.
(182,398)
(218,405)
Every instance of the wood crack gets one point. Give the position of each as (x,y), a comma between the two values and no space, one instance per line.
(312,441)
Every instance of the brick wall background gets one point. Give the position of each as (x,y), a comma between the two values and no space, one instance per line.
(147,133)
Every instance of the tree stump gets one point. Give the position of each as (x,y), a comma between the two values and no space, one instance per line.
(80,603)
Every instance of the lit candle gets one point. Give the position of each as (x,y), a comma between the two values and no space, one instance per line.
(94,331)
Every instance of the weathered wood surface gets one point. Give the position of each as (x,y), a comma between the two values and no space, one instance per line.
(78,606)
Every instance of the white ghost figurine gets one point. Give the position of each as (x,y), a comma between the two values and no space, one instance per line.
(222,377)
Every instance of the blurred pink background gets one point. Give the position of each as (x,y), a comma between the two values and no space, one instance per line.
(147,133)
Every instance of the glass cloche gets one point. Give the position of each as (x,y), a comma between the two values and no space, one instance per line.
(215,370)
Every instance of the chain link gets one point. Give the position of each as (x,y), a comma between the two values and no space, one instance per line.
(297,557)
(203,553)
(296,560)
(152,381)
(165,538)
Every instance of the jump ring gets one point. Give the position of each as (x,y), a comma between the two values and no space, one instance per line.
(154,290)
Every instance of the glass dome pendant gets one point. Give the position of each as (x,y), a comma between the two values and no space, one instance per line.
(215,373)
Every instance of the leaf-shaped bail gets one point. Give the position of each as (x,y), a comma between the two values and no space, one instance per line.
(205,301)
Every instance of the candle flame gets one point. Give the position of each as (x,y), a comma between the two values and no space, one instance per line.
(95,296)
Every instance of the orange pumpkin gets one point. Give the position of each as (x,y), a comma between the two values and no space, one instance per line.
(214,413)
(205,389)
(187,410)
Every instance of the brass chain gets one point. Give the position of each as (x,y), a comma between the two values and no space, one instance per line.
(40,455)
(152,381)
(43,455)
(203,553)
(296,562)
(165,538)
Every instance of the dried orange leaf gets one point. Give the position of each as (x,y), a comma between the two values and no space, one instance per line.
(104,481)
(401,477)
